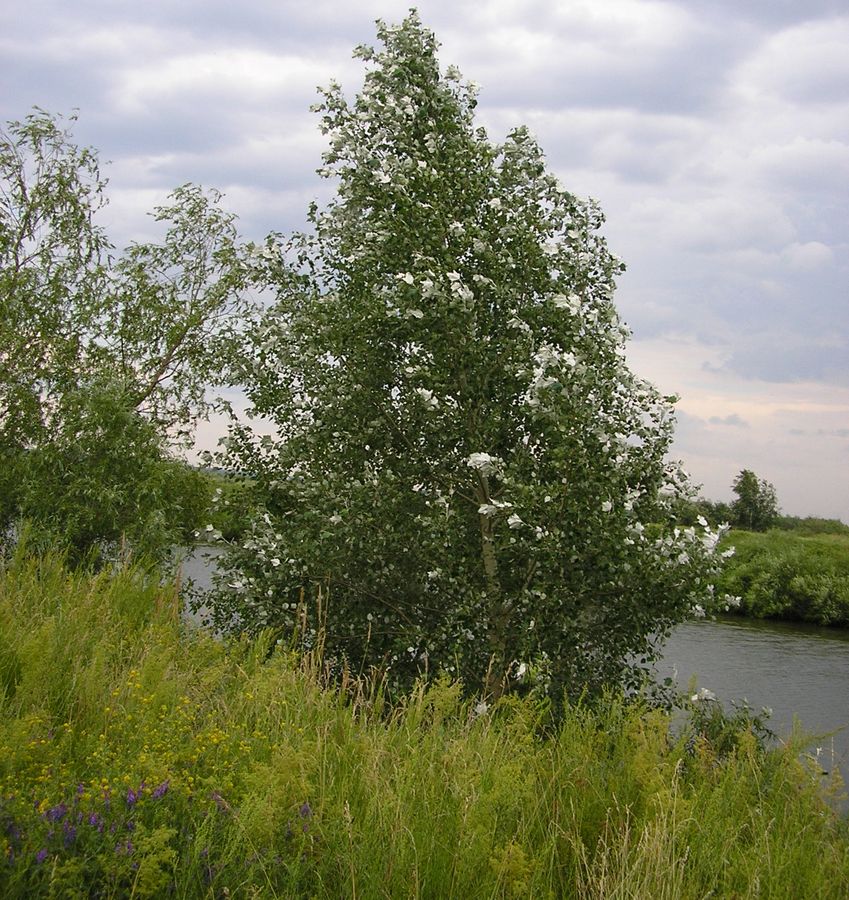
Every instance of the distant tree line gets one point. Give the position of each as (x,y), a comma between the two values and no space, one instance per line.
(754,509)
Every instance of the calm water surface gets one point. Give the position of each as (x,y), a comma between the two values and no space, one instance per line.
(796,670)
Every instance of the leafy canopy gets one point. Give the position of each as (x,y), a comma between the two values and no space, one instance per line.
(756,506)
(464,458)
(104,363)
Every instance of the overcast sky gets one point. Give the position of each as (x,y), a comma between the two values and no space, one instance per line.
(714,134)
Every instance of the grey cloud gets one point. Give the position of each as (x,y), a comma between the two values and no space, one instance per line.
(768,13)
(784,360)
(805,64)
(733,420)
(674,80)
(834,432)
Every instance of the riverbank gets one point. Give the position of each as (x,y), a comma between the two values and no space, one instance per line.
(137,756)
(798,670)
(789,576)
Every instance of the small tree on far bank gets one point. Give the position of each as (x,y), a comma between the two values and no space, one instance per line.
(756,506)
(465,461)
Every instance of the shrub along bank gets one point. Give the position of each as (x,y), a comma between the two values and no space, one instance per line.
(785,575)
(141,759)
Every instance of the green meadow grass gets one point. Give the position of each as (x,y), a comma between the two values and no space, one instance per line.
(785,575)
(142,759)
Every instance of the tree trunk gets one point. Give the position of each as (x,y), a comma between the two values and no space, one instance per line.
(498,609)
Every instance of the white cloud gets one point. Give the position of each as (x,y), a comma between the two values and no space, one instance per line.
(806,63)
(811,255)
(712,223)
(255,76)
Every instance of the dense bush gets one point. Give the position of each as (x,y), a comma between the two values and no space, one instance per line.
(231,509)
(103,478)
(138,759)
(787,576)
(688,510)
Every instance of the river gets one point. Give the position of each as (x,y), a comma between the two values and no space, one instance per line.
(795,670)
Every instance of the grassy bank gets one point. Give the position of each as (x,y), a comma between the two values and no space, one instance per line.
(786,575)
(140,760)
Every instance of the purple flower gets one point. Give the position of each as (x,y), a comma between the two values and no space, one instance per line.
(305,811)
(56,813)
(70,834)
(132,797)
(41,855)
(161,790)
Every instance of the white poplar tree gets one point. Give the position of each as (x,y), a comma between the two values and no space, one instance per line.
(464,458)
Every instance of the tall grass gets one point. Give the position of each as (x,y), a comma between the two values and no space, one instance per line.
(138,758)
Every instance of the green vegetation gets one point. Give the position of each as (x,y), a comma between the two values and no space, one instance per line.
(139,759)
(798,570)
(464,455)
(811,525)
(105,360)
(756,506)
(231,505)
(104,481)
(787,575)
(469,506)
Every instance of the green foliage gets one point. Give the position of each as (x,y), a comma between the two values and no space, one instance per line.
(51,279)
(103,477)
(104,364)
(688,510)
(51,270)
(463,456)
(180,310)
(231,505)
(138,759)
(811,525)
(786,576)
(756,506)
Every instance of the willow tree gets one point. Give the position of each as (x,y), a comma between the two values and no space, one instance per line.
(105,364)
(462,456)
